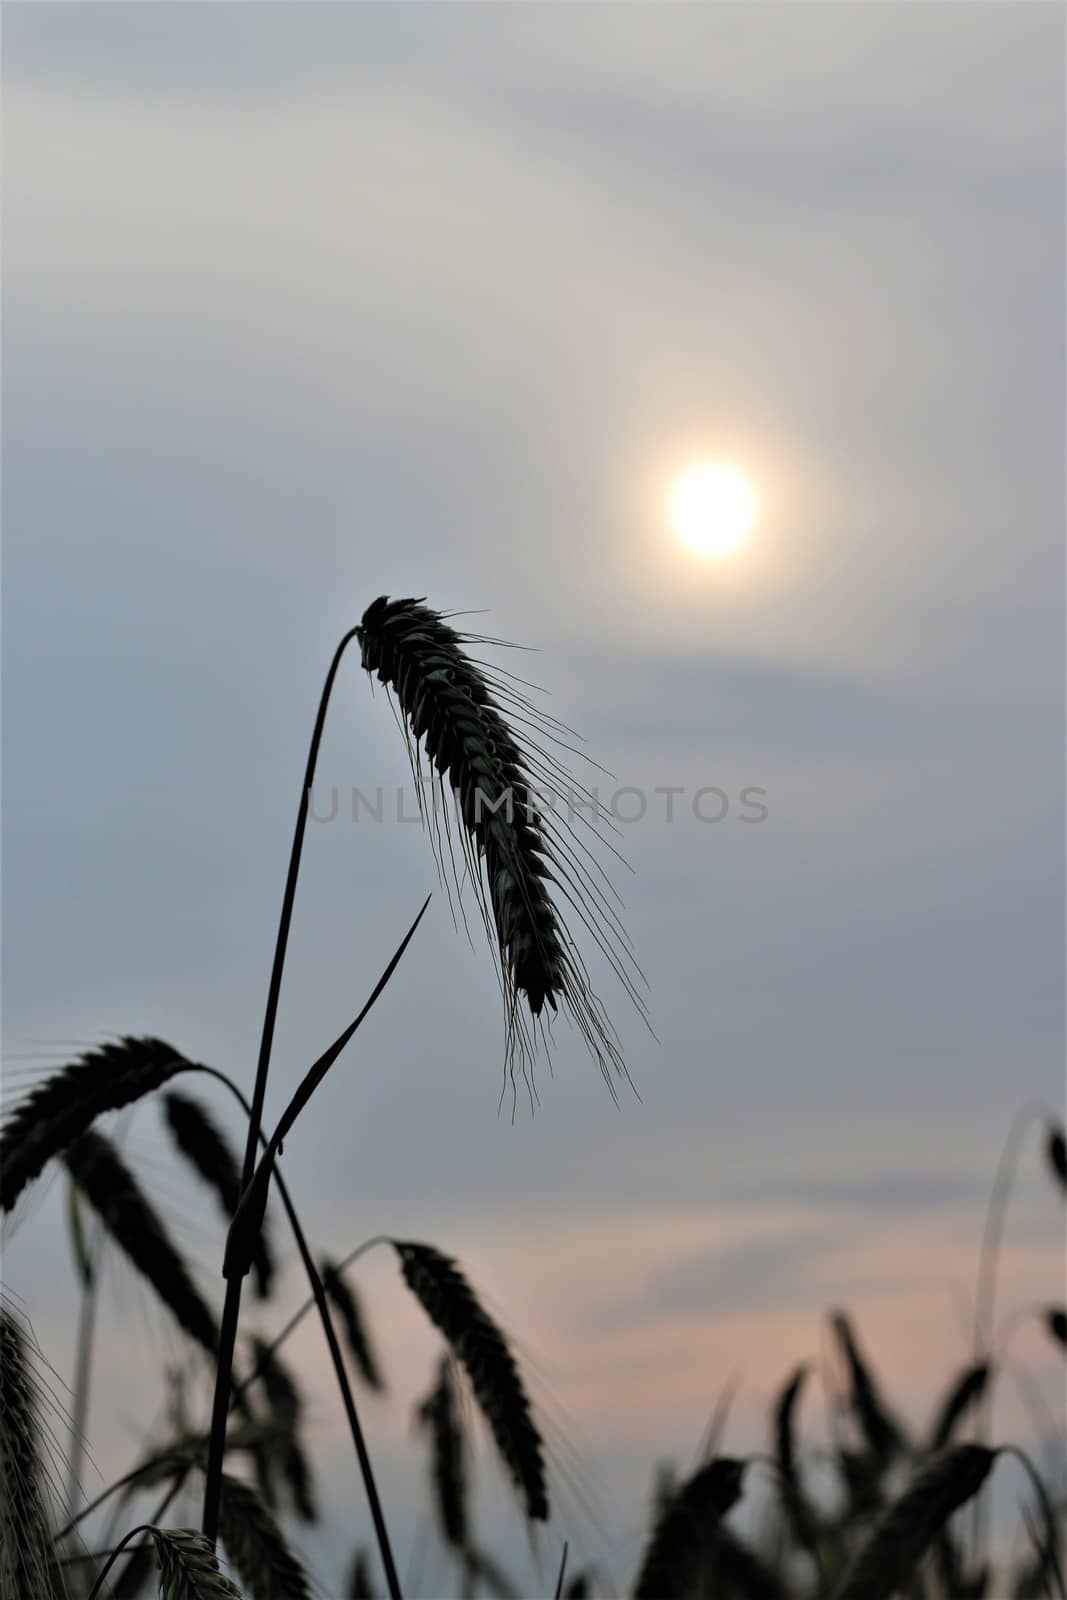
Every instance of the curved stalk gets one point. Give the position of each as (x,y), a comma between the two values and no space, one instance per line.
(145,1527)
(301,1312)
(232,1309)
(161,1509)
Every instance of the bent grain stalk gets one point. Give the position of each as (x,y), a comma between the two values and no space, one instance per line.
(232,1307)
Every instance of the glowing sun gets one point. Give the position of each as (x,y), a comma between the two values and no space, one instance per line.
(712,509)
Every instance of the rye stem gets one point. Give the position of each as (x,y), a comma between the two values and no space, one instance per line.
(232,1309)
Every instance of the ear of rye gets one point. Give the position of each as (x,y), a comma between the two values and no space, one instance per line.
(256,1547)
(53,1114)
(130,1219)
(485,1355)
(189,1568)
(529,871)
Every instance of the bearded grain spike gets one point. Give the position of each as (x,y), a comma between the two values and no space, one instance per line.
(27,1570)
(127,1214)
(200,1141)
(256,1547)
(439,1414)
(883,1436)
(451,710)
(445,699)
(683,1541)
(348,1307)
(485,1355)
(53,1114)
(965,1392)
(889,1556)
(189,1568)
